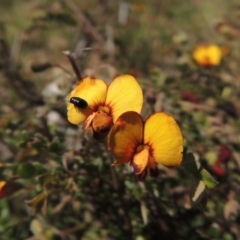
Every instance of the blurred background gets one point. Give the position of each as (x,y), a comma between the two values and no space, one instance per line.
(56,182)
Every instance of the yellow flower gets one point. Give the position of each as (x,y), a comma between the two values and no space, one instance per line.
(208,56)
(144,144)
(104,104)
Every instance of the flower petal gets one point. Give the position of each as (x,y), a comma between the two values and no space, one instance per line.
(215,54)
(93,91)
(125,136)
(140,161)
(124,94)
(102,122)
(88,121)
(164,137)
(199,53)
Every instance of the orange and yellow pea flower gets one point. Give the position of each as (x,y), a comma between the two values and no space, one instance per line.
(105,103)
(143,144)
(208,55)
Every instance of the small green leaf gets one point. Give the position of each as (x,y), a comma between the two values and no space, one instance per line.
(45,178)
(40,137)
(227,236)
(215,231)
(23,144)
(55,147)
(7,171)
(24,135)
(191,163)
(35,205)
(37,144)
(26,170)
(39,169)
(211,157)
(208,179)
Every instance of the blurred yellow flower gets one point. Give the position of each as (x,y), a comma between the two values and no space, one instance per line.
(207,55)
(144,144)
(103,104)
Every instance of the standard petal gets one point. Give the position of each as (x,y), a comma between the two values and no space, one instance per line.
(93,91)
(215,54)
(200,55)
(124,94)
(125,136)
(164,137)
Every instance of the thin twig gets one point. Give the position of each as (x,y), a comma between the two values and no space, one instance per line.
(76,69)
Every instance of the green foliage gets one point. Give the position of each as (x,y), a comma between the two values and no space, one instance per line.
(26,170)
(208,180)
